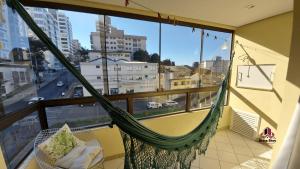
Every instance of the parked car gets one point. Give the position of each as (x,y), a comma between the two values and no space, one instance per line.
(59,84)
(170,103)
(153,105)
(35,99)
(87,104)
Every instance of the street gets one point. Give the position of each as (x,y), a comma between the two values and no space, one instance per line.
(90,113)
(48,91)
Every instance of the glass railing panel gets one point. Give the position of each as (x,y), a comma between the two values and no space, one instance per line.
(159,105)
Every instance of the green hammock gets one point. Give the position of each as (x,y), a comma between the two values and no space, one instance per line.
(144,148)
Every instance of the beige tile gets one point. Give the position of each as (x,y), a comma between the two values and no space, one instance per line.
(237,141)
(114,164)
(224,147)
(249,164)
(222,139)
(222,133)
(196,162)
(262,163)
(262,153)
(226,165)
(211,153)
(208,163)
(256,145)
(212,145)
(242,150)
(243,158)
(227,157)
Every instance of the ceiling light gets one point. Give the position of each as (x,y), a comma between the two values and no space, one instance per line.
(250,6)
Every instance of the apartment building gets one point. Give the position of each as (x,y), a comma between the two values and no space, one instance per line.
(76,45)
(116,39)
(65,31)
(47,21)
(56,25)
(217,64)
(118,55)
(13,34)
(123,76)
(13,76)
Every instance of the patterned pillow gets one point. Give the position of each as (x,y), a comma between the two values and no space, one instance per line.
(60,144)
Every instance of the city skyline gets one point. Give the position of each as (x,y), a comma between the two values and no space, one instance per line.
(84,24)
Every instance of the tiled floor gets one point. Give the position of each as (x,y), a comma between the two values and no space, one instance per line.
(227,150)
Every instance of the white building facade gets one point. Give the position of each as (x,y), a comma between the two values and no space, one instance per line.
(13,76)
(46,20)
(123,76)
(13,34)
(66,35)
(116,40)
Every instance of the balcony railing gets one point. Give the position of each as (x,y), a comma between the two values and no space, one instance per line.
(40,107)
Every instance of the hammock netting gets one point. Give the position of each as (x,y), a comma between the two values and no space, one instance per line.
(144,148)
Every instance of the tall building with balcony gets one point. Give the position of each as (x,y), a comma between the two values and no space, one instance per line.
(13,36)
(123,76)
(65,34)
(46,19)
(116,39)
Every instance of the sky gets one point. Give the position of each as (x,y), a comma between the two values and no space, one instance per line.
(179,43)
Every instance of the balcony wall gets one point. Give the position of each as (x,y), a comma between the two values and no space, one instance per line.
(265,42)
(2,162)
(172,125)
(292,90)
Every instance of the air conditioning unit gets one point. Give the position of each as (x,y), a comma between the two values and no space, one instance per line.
(245,123)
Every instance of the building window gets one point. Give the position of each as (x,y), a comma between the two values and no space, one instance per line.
(98,77)
(97,66)
(22,77)
(175,83)
(2,90)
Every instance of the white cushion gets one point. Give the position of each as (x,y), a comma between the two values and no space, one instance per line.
(67,160)
(82,156)
(59,144)
(88,156)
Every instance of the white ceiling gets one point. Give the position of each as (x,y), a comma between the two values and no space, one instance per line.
(229,12)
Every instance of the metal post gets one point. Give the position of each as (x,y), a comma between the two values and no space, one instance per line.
(187,102)
(201,57)
(129,101)
(104,60)
(159,69)
(42,116)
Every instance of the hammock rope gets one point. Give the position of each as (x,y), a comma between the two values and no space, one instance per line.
(144,148)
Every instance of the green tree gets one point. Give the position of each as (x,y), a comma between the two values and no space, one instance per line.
(84,54)
(167,62)
(37,47)
(141,55)
(154,58)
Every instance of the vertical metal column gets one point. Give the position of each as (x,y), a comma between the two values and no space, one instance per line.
(159,68)
(201,57)
(104,59)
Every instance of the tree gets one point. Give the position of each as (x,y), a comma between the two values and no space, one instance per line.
(167,62)
(84,54)
(154,58)
(37,47)
(195,65)
(141,55)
